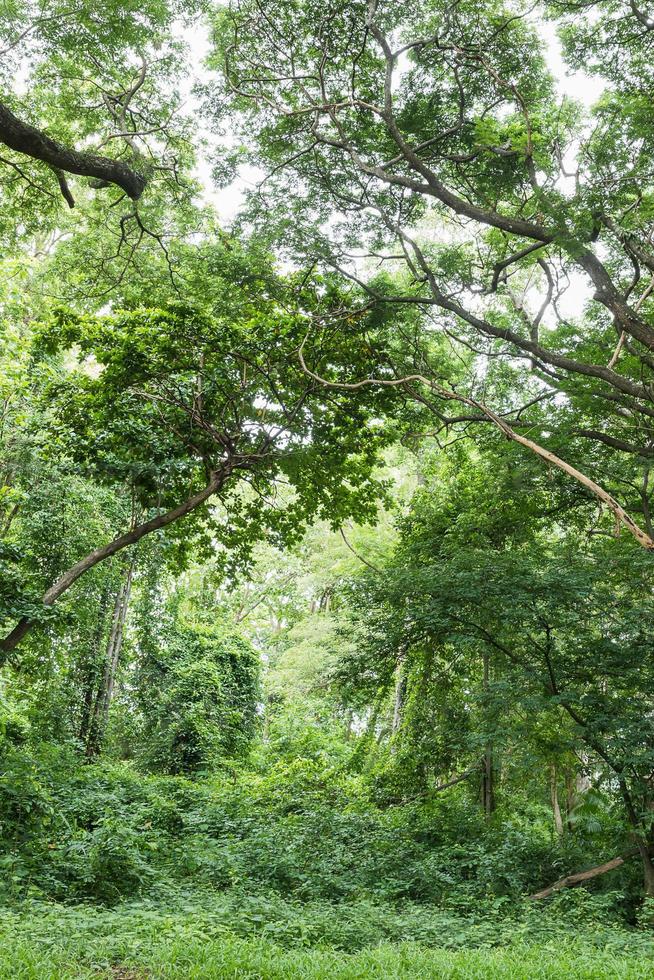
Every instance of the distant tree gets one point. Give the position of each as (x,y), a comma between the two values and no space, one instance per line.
(198,696)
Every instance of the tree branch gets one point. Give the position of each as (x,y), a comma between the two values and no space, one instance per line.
(24,138)
(580,876)
(218,478)
(622,517)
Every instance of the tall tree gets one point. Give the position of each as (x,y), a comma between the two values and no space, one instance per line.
(434,137)
(532,628)
(178,406)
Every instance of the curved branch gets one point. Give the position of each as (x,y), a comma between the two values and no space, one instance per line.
(357,555)
(620,514)
(24,138)
(218,478)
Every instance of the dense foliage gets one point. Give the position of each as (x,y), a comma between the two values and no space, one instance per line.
(326,533)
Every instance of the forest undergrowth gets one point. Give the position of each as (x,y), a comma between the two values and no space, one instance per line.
(287,867)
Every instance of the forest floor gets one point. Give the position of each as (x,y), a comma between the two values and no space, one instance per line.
(291,870)
(228,957)
(78,942)
(240,959)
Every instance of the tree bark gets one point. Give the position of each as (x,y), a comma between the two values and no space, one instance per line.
(218,478)
(24,138)
(554,793)
(9,520)
(487,787)
(100,716)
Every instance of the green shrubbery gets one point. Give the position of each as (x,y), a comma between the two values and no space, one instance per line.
(294,852)
(291,849)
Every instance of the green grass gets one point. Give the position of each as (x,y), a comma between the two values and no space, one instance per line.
(247,960)
(47,941)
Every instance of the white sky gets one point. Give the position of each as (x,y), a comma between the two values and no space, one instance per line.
(574,84)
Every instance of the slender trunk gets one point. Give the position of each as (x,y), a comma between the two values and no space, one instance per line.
(554,793)
(640,838)
(487,782)
(218,478)
(488,788)
(570,798)
(91,671)
(400,693)
(639,833)
(104,695)
(9,520)
(87,706)
(648,867)
(582,784)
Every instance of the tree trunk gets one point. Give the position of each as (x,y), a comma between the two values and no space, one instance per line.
(9,520)
(640,838)
(91,670)
(554,793)
(575,786)
(648,868)
(400,693)
(487,781)
(100,715)
(487,785)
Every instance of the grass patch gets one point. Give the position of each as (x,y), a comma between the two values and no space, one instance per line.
(132,943)
(246,960)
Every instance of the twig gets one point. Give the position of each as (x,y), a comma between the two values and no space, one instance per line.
(357,555)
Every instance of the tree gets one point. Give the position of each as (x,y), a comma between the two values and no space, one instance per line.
(514,630)
(434,138)
(206,679)
(89,71)
(96,148)
(180,405)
